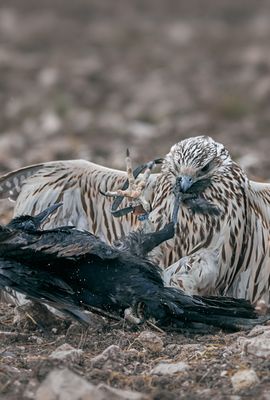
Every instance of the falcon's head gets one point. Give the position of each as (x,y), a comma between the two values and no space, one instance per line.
(194,160)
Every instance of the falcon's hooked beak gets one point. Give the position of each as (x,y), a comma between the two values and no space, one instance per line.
(178,193)
(184,183)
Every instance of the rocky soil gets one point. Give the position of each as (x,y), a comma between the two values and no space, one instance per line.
(148,363)
(87,80)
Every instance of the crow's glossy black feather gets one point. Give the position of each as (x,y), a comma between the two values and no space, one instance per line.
(72,269)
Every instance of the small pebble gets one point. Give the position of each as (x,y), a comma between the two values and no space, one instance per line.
(151,341)
(244,379)
(169,368)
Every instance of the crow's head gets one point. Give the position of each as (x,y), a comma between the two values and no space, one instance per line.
(32,223)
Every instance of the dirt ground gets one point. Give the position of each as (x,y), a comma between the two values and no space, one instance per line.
(87,79)
(212,359)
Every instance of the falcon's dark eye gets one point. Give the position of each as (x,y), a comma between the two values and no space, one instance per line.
(205,168)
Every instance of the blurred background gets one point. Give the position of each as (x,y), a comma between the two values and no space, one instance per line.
(87,79)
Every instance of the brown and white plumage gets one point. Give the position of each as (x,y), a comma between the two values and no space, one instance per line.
(76,183)
(229,253)
(221,253)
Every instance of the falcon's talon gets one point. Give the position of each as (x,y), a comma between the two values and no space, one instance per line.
(135,189)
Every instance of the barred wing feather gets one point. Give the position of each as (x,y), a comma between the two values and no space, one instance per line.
(12,182)
(259,196)
(76,183)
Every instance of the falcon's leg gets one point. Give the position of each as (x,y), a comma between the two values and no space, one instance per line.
(194,274)
(135,190)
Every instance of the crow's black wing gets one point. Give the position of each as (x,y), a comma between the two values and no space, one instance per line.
(41,286)
(52,245)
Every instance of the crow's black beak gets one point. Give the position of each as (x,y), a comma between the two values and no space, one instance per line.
(41,217)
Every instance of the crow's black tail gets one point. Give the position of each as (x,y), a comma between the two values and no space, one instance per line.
(175,309)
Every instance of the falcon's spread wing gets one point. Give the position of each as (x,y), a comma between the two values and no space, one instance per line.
(77,184)
(253,280)
(259,196)
(12,182)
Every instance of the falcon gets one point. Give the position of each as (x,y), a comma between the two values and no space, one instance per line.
(223,252)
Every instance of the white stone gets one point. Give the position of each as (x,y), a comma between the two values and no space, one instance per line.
(169,368)
(119,394)
(48,77)
(65,385)
(258,345)
(266,395)
(223,373)
(259,330)
(67,353)
(141,130)
(180,32)
(244,379)
(112,352)
(50,123)
(151,341)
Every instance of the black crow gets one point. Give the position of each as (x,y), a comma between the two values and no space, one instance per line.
(71,270)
